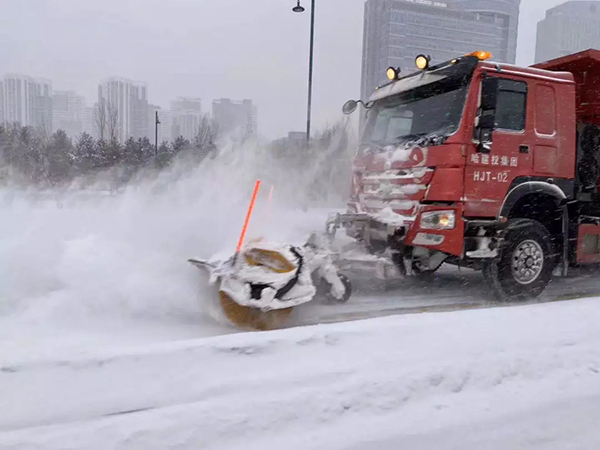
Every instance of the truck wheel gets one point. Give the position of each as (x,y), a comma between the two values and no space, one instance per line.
(324,290)
(347,291)
(526,262)
(422,275)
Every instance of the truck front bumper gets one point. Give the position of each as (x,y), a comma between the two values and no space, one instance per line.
(367,228)
(402,231)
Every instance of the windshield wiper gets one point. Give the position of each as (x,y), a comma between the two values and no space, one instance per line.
(437,134)
(410,137)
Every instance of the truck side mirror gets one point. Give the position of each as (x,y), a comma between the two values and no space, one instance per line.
(486,119)
(349,107)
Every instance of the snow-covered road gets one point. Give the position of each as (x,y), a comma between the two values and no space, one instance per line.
(105,339)
(521,377)
(450,289)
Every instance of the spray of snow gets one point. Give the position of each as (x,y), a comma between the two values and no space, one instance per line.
(74,260)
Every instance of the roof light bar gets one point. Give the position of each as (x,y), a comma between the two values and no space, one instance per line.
(482,55)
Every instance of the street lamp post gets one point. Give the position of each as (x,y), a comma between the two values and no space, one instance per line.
(156,124)
(299,9)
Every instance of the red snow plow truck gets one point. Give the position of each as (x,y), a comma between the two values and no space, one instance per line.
(468,162)
(486,165)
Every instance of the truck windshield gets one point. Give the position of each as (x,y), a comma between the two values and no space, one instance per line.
(433,110)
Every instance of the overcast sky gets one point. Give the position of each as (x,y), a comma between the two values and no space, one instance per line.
(254,49)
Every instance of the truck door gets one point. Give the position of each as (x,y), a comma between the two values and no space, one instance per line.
(491,168)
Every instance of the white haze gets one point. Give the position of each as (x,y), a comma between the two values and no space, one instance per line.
(207,48)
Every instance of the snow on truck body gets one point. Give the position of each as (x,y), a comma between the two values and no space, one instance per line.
(476,163)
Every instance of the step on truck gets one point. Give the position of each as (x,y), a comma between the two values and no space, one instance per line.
(484,165)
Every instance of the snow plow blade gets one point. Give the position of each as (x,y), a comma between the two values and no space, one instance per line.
(253,318)
(259,287)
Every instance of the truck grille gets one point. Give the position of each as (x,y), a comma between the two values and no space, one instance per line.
(399,190)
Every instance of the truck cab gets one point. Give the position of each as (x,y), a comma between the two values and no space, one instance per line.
(485,165)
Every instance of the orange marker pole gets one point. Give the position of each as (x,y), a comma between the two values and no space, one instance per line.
(248,215)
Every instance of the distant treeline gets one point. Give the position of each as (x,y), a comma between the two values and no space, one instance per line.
(29,157)
(35,158)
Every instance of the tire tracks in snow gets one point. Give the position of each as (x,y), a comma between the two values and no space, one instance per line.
(451,290)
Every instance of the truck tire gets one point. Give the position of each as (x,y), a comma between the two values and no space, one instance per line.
(526,262)
(324,290)
(419,274)
(423,276)
(347,291)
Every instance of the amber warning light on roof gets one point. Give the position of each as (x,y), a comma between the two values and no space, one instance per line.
(481,55)
(422,62)
(393,73)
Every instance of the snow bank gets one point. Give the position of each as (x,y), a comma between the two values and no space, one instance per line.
(520,378)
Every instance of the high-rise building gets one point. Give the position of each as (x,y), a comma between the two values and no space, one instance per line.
(18,100)
(235,117)
(187,115)
(122,109)
(397,31)
(88,121)
(568,28)
(43,104)
(2,122)
(27,101)
(165,130)
(68,112)
(140,125)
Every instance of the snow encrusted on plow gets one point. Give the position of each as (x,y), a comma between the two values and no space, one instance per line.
(260,285)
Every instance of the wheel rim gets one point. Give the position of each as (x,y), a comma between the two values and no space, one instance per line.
(527,262)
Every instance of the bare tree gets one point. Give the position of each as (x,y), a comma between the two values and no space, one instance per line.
(112,122)
(216,130)
(208,134)
(100,119)
(107,121)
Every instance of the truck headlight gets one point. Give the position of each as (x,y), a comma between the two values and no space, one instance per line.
(438,220)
